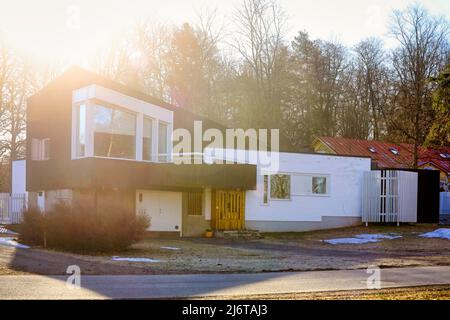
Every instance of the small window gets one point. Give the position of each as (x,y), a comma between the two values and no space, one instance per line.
(319,185)
(45,149)
(280,186)
(195,203)
(40,149)
(266,189)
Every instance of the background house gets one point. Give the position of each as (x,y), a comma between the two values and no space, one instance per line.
(386,155)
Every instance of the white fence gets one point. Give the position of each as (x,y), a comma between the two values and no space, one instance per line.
(12,207)
(389,196)
(444,203)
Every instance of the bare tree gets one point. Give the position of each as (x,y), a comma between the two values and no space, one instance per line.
(422,53)
(372,81)
(259,40)
(14,89)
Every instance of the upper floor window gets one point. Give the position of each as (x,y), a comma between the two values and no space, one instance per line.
(40,149)
(147,139)
(162,142)
(114,133)
(80,142)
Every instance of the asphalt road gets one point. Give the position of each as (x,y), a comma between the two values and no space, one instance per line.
(204,285)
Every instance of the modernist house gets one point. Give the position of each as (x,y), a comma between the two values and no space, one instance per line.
(386,155)
(98,143)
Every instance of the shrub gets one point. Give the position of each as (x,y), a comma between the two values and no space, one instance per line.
(83,229)
(31,229)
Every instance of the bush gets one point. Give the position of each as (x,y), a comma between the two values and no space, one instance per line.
(83,229)
(31,229)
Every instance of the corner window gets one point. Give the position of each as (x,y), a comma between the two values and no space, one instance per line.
(147,145)
(114,133)
(81,131)
(280,186)
(162,142)
(319,185)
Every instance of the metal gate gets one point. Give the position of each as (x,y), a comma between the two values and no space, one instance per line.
(12,207)
(389,196)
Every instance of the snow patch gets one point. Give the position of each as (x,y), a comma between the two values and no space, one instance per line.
(4,230)
(170,248)
(10,242)
(116,258)
(443,233)
(363,238)
(349,241)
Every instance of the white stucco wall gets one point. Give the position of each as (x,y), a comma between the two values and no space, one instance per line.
(345,176)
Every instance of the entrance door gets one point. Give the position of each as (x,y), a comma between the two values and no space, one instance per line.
(163,208)
(228,210)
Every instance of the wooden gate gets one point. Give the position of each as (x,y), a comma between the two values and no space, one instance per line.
(228,210)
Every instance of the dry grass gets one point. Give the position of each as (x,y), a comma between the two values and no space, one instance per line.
(411,293)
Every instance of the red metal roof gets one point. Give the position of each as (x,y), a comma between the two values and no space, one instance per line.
(387,154)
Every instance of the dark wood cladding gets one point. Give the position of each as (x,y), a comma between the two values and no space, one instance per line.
(49,115)
(124,174)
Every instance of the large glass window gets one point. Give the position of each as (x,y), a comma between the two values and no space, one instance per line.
(147,139)
(280,186)
(162,142)
(114,133)
(81,131)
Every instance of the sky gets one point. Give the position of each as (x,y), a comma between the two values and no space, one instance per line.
(73,30)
